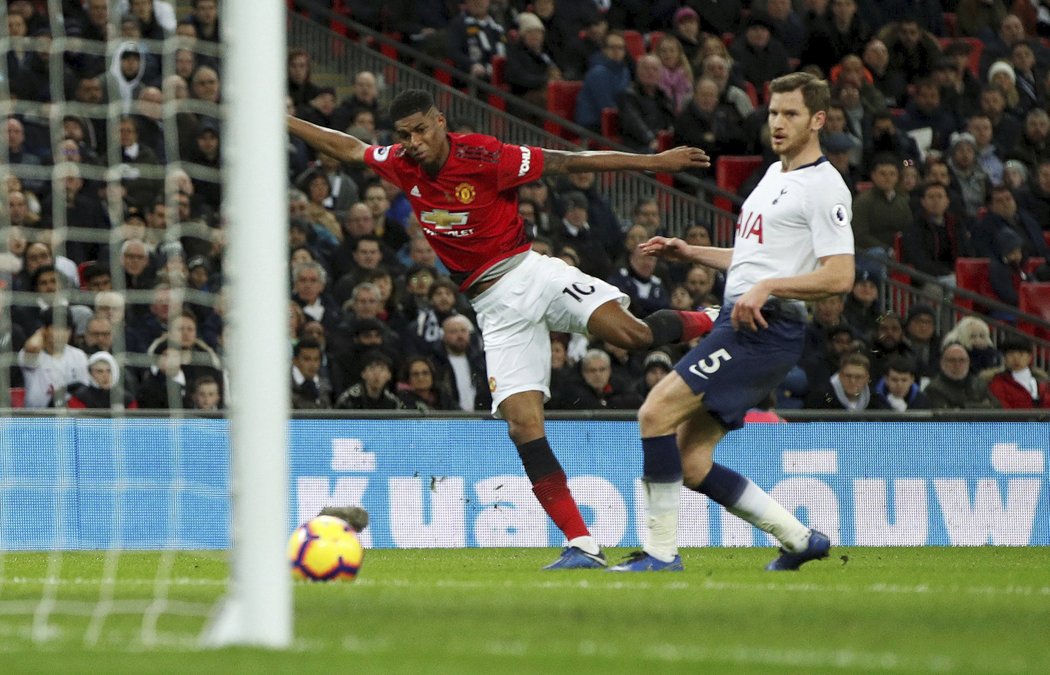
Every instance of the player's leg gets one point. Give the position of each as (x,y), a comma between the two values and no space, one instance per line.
(668,405)
(612,323)
(742,497)
(523,412)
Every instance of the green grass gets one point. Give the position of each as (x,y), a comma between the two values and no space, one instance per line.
(492,611)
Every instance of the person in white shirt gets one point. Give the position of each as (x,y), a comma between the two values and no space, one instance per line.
(50,365)
(793,243)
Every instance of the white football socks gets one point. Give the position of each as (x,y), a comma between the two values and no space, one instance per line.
(758,508)
(586,544)
(663,501)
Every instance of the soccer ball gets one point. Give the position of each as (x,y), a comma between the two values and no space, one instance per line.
(324,549)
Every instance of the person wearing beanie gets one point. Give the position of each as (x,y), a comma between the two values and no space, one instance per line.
(1001,76)
(103,379)
(967,173)
(687,29)
(529,66)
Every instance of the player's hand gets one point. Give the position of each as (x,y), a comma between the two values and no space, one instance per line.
(669,248)
(682,157)
(747,312)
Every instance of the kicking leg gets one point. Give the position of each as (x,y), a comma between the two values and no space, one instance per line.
(524,414)
(612,323)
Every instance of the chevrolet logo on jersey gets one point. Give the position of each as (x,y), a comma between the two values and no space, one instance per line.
(444,220)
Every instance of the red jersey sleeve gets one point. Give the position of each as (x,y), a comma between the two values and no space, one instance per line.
(385,160)
(519,164)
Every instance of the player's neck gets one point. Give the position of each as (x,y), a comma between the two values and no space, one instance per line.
(805,155)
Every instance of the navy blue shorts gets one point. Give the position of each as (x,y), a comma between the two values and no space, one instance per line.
(736,370)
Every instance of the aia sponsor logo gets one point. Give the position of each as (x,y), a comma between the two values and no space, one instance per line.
(749,226)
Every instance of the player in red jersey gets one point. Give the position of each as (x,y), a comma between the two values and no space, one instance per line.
(463,190)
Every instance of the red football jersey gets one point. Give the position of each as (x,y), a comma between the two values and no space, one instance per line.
(469,210)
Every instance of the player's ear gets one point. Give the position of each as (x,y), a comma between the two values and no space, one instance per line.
(816,123)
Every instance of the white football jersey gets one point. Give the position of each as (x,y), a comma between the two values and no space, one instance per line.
(791,220)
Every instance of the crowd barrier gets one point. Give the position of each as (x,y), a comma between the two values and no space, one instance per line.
(142,483)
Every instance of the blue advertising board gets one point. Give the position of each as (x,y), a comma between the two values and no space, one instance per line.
(78,483)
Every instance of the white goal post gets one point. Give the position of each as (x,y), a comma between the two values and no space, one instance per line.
(258,607)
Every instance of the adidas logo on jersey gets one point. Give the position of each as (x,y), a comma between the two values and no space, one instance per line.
(415,191)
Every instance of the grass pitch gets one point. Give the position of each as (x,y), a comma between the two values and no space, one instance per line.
(493,611)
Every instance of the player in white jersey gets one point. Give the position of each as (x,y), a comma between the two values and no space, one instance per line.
(793,243)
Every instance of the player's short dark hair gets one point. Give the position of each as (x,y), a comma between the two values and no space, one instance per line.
(815,92)
(305,343)
(410,102)
(368,237)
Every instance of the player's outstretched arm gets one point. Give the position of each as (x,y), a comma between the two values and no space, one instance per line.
(332,143)
(833,275)
(556,162)
(673,248)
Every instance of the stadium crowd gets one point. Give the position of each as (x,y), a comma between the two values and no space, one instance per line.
(940,127)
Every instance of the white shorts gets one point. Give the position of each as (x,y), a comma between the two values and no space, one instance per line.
(517,314)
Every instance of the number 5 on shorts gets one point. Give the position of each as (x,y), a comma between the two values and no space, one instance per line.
(712,363)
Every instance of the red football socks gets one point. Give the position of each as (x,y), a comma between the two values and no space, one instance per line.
(553,493)
(694,324)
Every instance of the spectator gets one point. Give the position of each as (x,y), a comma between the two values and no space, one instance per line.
(928,122)
(645,110)
(707,123)
(988,157)
(759,55)
(418,388)
(390,232)
(676,75)
(954,387)
(365,96)
(309,391)
(888,344)
(599,390)
(686,29)
(1006,129)
(607,76)
(935,238)
(719,16)
(885,139)
(656,366)
(474,37)
(529,67)
(50,365)
(1006,271)
(197,358)
(637,279)
(576,231)
(205,19)
(967,173)
(882,212)
(913,51)
(839,33)
(973,333)
(102,389)
(164,384)
(1001,76)
(1015,177)
(848,389)
(18,153)
(1017,385)
(862,308)
(1029,83)
(1034,144)
(838,147)
(600,215)
(840,342)
(308,290)
(461,364)
(205,394)
(717,68)
(300,86)
(98,335)
(897,389)
(892,84)
(1011,31)
(967,86)
(577,47)
(979,18)
(1003,215)
(920,330)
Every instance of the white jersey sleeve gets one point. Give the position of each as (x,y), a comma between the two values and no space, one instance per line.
(830,208)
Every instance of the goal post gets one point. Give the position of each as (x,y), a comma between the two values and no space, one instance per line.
(258,607)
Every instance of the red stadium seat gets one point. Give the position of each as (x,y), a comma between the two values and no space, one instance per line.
(499,63)
(80,273)
(900,295)
(561,101)
(611,124)
(635,43)
(971,274)
(654,38)
(752,93)
(950,28)
(730,172)
(1034,298)
(976,48)
(864,186)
